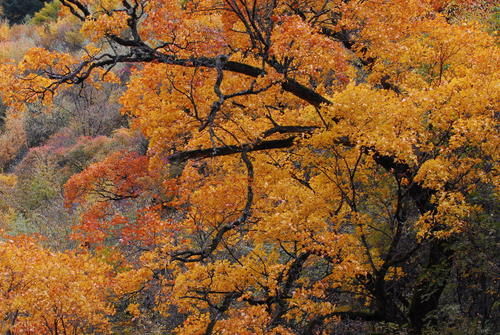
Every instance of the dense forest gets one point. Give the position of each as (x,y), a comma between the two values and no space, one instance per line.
(247,167)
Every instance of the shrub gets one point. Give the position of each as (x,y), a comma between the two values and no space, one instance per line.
(47,14)
(16,10)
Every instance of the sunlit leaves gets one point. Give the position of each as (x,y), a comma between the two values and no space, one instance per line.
(44,292)
(387,111)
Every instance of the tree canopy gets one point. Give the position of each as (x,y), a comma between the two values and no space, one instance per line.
(307,163)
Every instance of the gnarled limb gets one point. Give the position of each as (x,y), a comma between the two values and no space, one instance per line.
(199,255)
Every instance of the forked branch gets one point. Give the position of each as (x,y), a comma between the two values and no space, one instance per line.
(199,255)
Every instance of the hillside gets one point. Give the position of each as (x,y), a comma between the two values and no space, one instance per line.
(249,167)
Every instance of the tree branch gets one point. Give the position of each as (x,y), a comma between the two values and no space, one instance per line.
(196,256)
(183,156)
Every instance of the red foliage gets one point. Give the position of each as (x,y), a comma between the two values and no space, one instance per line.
(104,190)
(122,175)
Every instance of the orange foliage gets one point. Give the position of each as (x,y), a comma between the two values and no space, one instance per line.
(105,191)
(42,292)
(121,176)
(312,149)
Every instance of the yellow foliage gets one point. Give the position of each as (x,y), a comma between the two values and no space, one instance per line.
(312,146)
(47,292)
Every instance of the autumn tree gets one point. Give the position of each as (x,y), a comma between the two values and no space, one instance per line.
(51,293)
(323,155)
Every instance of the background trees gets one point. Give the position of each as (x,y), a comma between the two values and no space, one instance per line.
(16,10)
(307,162)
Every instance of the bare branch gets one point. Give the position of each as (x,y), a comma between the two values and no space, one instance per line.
(231,149)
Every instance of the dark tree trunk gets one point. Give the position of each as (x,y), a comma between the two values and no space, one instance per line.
(430,287)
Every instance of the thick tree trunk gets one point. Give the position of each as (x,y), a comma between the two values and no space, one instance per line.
(386,308)
(429,289)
